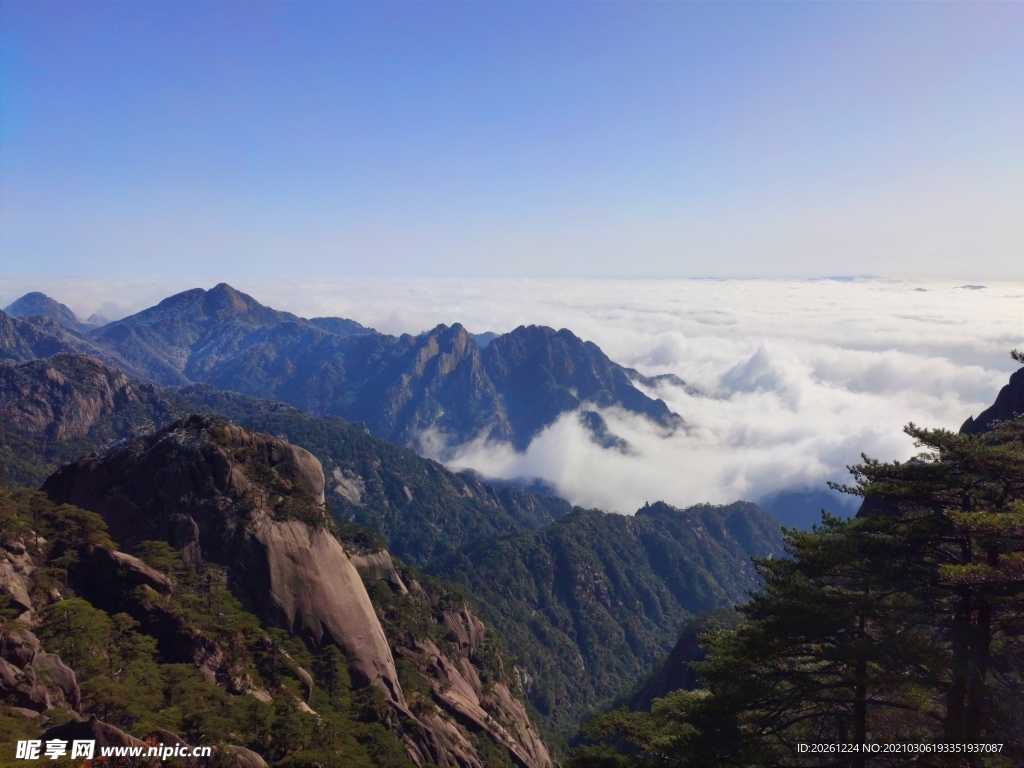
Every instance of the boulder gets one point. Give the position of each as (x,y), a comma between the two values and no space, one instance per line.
(18,644)
(103,734)
(56,676)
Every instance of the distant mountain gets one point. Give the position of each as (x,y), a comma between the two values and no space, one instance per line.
(440,388)
(590,603)
(37,304)
(38,337)
(191,331)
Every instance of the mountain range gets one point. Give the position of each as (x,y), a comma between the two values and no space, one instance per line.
(441,384)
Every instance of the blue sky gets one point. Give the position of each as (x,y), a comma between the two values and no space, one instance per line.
(519,139)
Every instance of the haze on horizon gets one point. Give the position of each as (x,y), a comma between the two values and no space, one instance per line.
(508,140)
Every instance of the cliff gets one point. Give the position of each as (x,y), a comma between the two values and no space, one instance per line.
(253,505)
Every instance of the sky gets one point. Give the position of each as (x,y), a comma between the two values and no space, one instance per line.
(518,140)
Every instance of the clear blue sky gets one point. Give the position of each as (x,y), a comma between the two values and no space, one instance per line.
(520,139)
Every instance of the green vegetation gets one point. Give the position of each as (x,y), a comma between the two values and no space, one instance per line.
(905,624)
(133,652)
(590,603)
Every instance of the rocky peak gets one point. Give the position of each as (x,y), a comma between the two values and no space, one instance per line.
(252,503)
(223,301)
(39,304)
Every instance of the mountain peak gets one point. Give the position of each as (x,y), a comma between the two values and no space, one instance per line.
(35,304)
(222,296)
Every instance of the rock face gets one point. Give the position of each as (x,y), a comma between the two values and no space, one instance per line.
(315,592)
(64,397)
(379,566)
(213,496)
(54,410)
(32,678)
(16,569)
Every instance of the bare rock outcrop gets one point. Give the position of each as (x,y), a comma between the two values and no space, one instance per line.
(311,588)
(378,566)
(492,709)
(64,397)
(30,677)
(117,568)
(16,569)
(240,757)
(232,492)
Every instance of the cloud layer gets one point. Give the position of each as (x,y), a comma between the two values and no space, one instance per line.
(793,379)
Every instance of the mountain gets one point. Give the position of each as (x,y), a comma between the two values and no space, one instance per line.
(252,505)
(590,603)
(604,591)
(190,330)
(37,304)
(441,384)
(53,411)
(38,337)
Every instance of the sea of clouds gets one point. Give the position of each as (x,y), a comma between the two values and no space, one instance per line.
(788,381)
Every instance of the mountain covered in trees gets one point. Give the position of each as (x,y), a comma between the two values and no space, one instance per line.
(441,383)
(593,600)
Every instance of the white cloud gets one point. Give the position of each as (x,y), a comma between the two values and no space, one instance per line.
(797,378)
